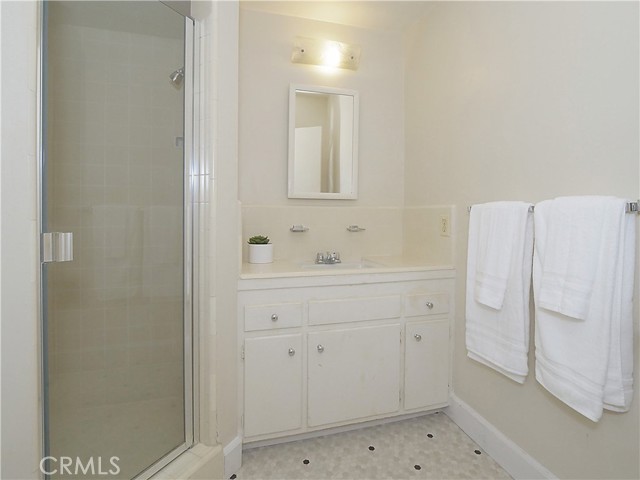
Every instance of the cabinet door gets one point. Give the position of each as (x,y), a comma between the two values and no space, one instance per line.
(353,373)
(426,376)
(272,384)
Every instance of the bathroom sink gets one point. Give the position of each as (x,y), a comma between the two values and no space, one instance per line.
(340,266)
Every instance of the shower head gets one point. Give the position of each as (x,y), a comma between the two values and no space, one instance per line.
(177,76)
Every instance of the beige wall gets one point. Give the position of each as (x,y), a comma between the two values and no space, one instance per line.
(266,41)
(510,100)
(21,408)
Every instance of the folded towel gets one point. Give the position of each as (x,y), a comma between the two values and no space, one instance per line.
(497,327)
(570,261)
(587,363)
(498,223)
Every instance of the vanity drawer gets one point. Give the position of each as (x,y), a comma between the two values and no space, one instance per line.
(269,317)
(323,312)
(426,304)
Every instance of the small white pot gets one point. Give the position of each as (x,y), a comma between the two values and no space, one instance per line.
(261,253)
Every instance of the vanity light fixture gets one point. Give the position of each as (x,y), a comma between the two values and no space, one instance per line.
(326,53)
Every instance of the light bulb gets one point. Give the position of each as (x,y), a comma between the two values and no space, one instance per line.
(332,56)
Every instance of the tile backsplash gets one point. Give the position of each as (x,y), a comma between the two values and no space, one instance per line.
(388,231)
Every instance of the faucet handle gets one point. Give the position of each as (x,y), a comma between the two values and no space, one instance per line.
(319,257)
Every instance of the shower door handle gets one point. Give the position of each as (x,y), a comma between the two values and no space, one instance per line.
(57,247)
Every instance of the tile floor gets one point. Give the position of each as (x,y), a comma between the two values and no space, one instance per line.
(431,446)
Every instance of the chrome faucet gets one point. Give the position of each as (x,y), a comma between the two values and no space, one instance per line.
(328,258)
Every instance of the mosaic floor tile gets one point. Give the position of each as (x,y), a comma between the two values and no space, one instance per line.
(431,446)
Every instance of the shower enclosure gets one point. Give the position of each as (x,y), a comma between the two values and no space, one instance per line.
(116,109)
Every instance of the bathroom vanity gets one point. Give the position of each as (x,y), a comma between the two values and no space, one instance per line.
(326,348)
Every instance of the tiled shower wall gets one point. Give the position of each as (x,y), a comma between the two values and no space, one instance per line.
(115,180)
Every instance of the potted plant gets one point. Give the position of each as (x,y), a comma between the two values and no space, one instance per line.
(260,250)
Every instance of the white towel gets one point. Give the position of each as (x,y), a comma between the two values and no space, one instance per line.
(497,334)
(618,391)
(569,266)
(497,222)
(587,363)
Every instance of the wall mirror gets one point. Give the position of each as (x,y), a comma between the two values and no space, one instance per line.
(323,142)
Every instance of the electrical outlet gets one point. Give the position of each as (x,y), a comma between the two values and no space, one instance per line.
(445,227)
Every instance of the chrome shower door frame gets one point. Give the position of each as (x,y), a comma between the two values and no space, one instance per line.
(190,255)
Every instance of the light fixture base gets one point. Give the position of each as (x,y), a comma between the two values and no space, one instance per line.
(326,53)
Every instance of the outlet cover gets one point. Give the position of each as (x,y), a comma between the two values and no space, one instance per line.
(445,226)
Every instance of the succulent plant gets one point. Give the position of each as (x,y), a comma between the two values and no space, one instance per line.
(259,240)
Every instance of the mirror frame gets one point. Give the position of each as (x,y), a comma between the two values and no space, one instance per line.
(353,194)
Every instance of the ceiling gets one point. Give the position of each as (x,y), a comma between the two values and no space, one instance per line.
(377,15)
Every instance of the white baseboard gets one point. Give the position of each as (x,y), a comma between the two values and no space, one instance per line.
(518,463)
(232,456)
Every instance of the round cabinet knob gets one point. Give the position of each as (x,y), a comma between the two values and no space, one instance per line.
(429,305)
(292,352)
(274,317)
(417,336)
(320,348)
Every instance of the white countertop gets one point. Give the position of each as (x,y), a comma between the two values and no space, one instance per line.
(386,264)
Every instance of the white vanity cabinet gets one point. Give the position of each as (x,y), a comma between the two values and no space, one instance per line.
(326,351)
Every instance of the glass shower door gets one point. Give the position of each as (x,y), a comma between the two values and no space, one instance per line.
(116,318)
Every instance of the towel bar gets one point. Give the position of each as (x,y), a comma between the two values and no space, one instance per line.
(469,208)
(632,207)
